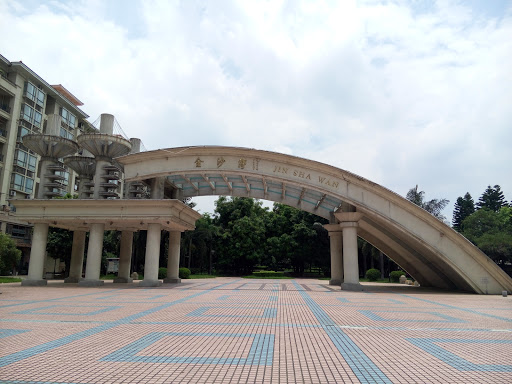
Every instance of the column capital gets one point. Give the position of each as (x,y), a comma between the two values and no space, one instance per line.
(333,228)
(348,216)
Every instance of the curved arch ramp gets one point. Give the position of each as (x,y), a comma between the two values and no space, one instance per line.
(428,249)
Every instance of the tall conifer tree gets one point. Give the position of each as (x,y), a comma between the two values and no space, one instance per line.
(492,199)
(464,206)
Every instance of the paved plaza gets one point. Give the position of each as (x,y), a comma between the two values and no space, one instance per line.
(232,330)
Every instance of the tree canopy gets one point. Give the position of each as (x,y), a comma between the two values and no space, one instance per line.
(492,232)
(464,206)
(10,256)
(492,198)
(434,206)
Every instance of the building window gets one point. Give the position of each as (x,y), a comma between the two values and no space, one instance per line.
(29,185)
(21,158)
(30,91)
(65,175)
(22,131)
(32,162)
(66,134)
(18,181)
(68,123)
(22,183)
(25,163)
(34,94)
(32,116)
(18,231)
(27,112)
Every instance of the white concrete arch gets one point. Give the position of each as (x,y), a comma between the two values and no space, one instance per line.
(428,249)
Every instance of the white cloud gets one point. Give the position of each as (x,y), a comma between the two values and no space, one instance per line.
(395,93)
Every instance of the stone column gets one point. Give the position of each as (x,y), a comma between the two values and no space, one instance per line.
(157,188)
(82,189)
(37,256)
(98,179)
(44,162)
(350,256)
(152,256)
(336,242)
(77,257)
(349,224)
(94,251)
(173,259)
(125,258)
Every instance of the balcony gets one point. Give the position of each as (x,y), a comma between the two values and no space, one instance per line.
(5,107)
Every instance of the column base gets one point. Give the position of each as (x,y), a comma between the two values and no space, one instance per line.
(335,282)
(172,280)
(90,283)
(150,283)
(34,283)
(123,280)
(352,287)
(72,279)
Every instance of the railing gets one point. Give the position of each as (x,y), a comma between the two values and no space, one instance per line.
(5,107)
(4,76)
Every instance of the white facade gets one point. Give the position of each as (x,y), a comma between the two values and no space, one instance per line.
(26,100)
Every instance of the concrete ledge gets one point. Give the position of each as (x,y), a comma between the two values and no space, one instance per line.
(90,283)
(34,283)
(172,280)
(352,287)
(72,279)
(335,282)
(150,283)
(123,280)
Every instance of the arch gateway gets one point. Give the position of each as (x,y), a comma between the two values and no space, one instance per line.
(428,249)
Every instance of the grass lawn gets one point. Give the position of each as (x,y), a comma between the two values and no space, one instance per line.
(9,280)
(108,277)
(365,280)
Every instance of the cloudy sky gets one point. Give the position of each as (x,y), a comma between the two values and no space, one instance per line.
(401,93)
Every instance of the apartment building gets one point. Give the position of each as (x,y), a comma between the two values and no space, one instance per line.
(26,100)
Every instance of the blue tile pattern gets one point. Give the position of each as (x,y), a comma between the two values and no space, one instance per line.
(37,311)
(268,313)
(446,319)
(460,309)
(11,332)
(364,368)
(36,350)
(429,345)
(261,351)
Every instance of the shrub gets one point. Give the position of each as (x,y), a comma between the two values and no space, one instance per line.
(268,274)
(372,274)
(395,276)
(162,273)
(184,273)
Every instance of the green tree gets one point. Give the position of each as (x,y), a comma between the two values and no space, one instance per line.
(492,198)
(296,239)
(10,256)
(241,234)
(59,245)
(434,206)
(464,206)
(60,241)
(200,244)
(491,232)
